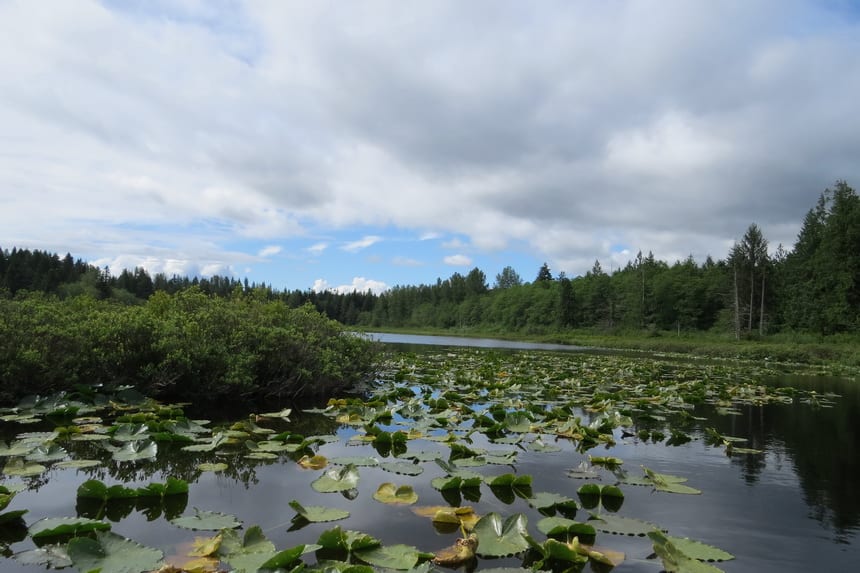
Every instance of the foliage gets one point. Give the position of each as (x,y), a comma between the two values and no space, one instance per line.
(176,346)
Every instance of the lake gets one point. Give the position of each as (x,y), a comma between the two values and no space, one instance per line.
(792,507)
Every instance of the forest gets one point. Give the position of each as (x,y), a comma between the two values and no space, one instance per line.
(754,291)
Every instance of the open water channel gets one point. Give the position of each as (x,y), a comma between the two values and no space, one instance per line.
(793,507)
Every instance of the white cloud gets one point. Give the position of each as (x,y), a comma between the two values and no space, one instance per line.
(429,236)
(454,243)
(458,260)
(269,251)
(317,248)
(359,284)
(362,243)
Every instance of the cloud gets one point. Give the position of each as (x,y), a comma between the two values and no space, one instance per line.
(277,120)
(429,236)
(317,248)
(361,244)
(359,284)
(458,260)
(269,251)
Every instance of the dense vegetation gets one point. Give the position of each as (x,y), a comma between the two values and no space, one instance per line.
(802,294)
(178,346)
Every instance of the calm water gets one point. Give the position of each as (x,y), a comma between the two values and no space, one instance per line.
(794,508)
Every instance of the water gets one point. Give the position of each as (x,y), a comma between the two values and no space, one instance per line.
(794,508)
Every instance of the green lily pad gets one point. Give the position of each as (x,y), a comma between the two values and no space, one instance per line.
(112,553)
(699,550)
(621,525)
(561,526)
(674,559)
(336,480)
(395,495)
(55,526)
(47,453)
(402,468)
(131,432)
(207,520)
(49,556)
(547,500)
(318,514)
(398,557)
(15,448)
(357,461)
(497,538)
(22,468)
(136,451)
(346,540)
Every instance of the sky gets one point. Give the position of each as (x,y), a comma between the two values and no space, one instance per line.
(362,145)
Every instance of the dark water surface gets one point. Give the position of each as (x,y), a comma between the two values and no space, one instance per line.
(794,508)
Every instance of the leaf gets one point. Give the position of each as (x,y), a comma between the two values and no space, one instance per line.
(357,461)
(54,526)
(316,462)
(318,514)
(399,557)
(136,451)
(49,556)
(112,553)
(699,550)
(674,559)
(207,520)
(458,554)
(396,495)
(336,480)
(560,526)
(49,453)
(500,539)
(131,432)
(669,483)
(22,468)
(78,464)
(547,500)
(346,540)
(621,525)
(402,468)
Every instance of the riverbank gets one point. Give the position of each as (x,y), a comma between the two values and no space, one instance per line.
(837,356)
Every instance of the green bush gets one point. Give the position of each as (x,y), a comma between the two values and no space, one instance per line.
(181,346)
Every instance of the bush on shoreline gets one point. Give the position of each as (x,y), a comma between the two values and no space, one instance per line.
(181,346)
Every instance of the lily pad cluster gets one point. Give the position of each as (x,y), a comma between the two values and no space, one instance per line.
(456,421)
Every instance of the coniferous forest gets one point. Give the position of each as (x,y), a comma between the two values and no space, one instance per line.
(813,287)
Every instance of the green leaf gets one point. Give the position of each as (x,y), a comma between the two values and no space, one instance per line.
(78,464)
(337,479)
(395,495)
(398,557)
(357,461)
(561,526)
(674,559)
(402,468)
(22,468)
(207,520)
(547,500)
(131,432)
(699,550)
(318,514)
(112,553)
(500,539)
(346,540)
(48,453)
(49,556)
(136,451)
(54,526)
(621,525)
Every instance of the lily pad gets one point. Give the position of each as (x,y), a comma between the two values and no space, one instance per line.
(207,520)
(112,553)
(621,525)
(318,514)
(398,557)
(78,464)
(56,526)
(357,461)
(22,468)
(561,526)
(337,479)
(136,451)
(498,538)
(49,556)
(395,495)
(402,468)
(674,559)
(212,467)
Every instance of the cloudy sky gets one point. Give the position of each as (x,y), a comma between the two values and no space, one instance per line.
(368,143)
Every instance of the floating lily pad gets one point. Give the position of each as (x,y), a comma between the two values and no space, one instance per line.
(402,468)
(207,520)
(77,464)
(49,556)
(561,526)
(212,467)
(357,461)
(498,538)
(136,451)
(395,495)
(675,559)
(318,514)
(337,479)
(22,468)
(398,557)
(621,525)
(112,553)
(56,526)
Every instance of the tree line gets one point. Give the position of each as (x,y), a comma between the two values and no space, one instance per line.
(813,287)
